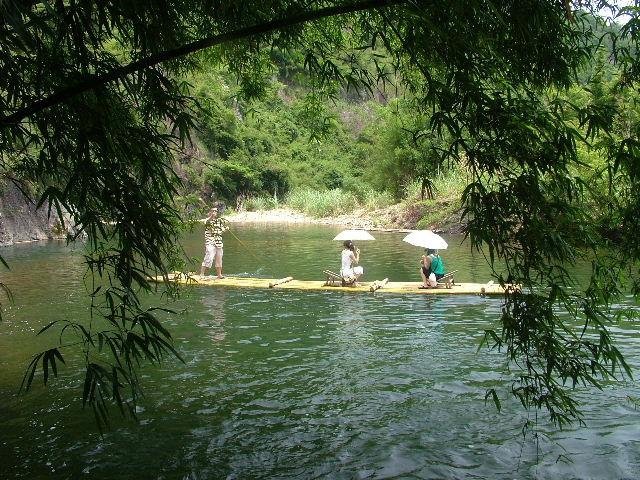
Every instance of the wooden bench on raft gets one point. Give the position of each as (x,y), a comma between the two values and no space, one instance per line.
(447,280)
(335,279)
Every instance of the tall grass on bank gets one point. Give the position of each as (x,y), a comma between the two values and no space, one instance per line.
(373,200)
(327,203)
(318,203)
(324,203)
(254,204)
(448,185)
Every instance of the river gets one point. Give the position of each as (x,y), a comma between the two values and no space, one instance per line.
(286,384)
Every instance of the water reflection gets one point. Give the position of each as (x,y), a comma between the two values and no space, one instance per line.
(212,317)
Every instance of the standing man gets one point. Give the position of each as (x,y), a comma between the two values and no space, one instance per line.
(214,226)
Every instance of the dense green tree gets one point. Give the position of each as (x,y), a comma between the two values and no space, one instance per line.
(405,150)
(301,135)
(93,106)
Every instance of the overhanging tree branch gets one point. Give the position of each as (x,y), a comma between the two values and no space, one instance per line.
(96,81)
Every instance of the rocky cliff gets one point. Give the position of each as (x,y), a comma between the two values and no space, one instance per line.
(21,222)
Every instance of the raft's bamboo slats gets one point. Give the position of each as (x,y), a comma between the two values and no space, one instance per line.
(280,281)
(319,285)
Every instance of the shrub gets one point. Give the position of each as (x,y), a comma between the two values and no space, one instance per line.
(276,181)
(333,179)
(231,180)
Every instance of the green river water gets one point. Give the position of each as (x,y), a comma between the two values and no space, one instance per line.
(285,384)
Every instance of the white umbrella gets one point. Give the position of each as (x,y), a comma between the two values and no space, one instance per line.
(426,239)
(354,235)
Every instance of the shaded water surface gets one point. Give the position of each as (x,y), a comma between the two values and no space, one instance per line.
(285,384)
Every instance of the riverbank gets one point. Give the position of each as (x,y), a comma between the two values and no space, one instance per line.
(21,223)
(395,218)
(283,215)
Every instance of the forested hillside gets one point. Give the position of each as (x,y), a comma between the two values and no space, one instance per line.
(322,149)
(291,140)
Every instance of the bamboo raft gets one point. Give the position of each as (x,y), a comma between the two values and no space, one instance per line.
(289,283)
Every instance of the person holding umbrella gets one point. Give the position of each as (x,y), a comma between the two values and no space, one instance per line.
(431,265)
(431,268)
(351,255)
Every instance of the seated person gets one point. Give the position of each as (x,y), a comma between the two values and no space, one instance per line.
(350,255)
(431,263)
